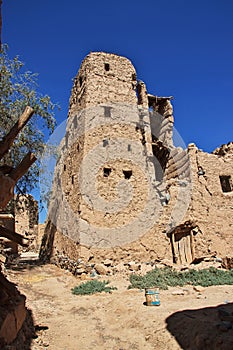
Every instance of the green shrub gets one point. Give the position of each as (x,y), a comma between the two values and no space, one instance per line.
(163,278)
(92,287)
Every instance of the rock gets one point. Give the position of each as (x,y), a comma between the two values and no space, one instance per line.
(88,269)
(133,266)
(101,269)
(227,262)
(208,259)
(93,273)
(178,292)
(85,254)
(146,268)
(79,271)
(119,267)
(107,262)
(218,260)
(83,276)
(45,343)
(199,289)
(167,262)
(187,291)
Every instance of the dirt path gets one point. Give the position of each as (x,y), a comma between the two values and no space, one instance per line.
(118,321)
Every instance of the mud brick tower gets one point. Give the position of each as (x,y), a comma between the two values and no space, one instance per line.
(122,189)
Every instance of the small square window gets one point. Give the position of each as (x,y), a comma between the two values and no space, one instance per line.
(127,174)
(107,111)
(134,78)
(226,183)
(107,67)
(107,172)
(105,142)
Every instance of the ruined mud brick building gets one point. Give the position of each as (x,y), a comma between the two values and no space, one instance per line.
(122,190)
(21,216)
(26,218)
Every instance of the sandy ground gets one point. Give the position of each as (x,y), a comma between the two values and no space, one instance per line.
(186,319)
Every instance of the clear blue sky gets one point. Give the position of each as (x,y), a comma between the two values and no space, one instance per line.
(180,48)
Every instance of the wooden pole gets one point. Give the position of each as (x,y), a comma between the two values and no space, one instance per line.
(13,236)
(8,140)
(23,167)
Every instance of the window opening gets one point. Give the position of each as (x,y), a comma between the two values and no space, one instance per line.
(75,122)
(80,81)
(107,67)
(105,142)
(127,174)
(107,172)
(107,111)
(67,139)
(226,183)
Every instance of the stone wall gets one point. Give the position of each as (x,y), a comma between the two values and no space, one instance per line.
(21,216)
(26,218)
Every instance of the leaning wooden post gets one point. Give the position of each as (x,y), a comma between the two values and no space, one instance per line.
(13,236)
(8,139)
(8,182)
(23,167)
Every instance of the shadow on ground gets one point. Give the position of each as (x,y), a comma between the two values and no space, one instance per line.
(210,328)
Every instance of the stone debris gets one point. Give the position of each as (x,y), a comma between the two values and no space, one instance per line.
(199,289)
(101,269)
(108,262)
(227,262)
(178,292)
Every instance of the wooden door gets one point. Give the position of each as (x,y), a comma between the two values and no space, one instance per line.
(182,247)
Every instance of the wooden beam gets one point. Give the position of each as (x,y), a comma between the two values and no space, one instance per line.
(13,236)
(8,140)
(6,169)
(23,167)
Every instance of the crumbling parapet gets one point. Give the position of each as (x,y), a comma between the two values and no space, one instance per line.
(142,95)
(103,78)
(26,218)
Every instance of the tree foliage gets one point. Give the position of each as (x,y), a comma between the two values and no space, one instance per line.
(19,88)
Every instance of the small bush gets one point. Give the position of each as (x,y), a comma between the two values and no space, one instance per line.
(168,277)
(92,287)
